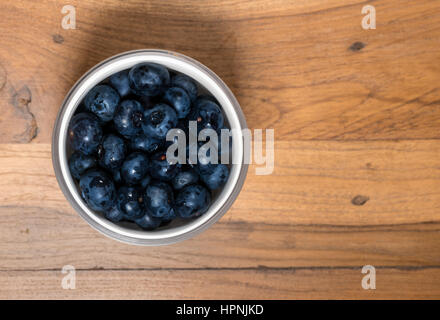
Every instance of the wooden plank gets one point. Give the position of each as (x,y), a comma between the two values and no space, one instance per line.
(302,215)
(223,284)
(289,62)
(39,239)
(313,182)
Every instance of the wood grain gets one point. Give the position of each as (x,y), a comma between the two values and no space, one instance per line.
(223,284)
(357,169)
(43,239)
(313,182)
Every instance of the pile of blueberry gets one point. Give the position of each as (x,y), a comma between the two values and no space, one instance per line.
(118,138)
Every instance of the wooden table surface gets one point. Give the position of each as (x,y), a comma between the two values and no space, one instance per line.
(356,115)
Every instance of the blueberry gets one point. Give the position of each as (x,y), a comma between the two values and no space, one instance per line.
(114,214)
(135,168)
(120,82)
(148,222)
(129,202)
(148,79)
(112,152)
(117,178)
(97,189)
(128,118)
(213,175)
(185,178)
(80,163)
(179,100)
(85,133)
(204,97)
(158,120)
(159,200)
(145,181)
(205,168)
(192,201)
(102,100)
(145,143)
(186,83)
(208,116)
(161,169)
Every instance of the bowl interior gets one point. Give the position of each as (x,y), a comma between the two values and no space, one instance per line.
(175,222)
(221,199)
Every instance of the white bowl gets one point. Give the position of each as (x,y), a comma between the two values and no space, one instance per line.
(180,229)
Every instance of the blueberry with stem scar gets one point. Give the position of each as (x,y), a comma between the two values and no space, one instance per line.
(97,189)
(192,201)
(102,100)
(85,133)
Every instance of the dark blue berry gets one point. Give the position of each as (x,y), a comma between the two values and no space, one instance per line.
(161,168)
(112,152)
(204,97)
(102,100)
(80,163)
(128,118)
(114,214)
(159,200)
(120,82)
(178,99)
(148,79)
(208,116)
(117,178)
(85,133)
(143,142)
(145,181)
(186,83)
(185,178)
(213,175)
(97,189)
(135,168)
(148,222)
(129,201)
(158,120)
(192,201)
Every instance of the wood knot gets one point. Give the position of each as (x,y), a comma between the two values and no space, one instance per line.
(21,100)
(357,46)
(359,200)
(57,38)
